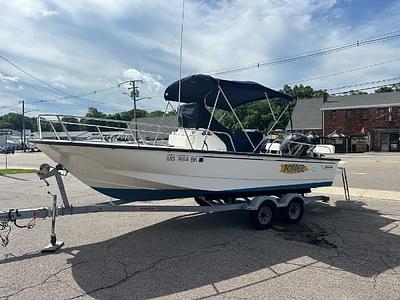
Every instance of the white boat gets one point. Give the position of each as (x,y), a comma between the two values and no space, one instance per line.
(201,159)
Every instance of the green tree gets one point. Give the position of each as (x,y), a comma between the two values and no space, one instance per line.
(255,115)
(93,112)
(6,125)
(385,89)
(302,92)
(356,92)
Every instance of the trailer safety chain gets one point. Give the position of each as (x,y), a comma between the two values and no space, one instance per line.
(4,237)
(29,225)
(5,226)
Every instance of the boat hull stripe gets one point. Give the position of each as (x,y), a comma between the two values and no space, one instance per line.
(163,194)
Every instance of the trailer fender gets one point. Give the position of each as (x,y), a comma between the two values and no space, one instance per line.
(279,202)
(285,199)
(255,203)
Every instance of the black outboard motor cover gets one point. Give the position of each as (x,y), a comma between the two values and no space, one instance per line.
(293,145)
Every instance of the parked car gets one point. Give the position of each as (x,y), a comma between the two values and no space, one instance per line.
(32,147)
(7,149)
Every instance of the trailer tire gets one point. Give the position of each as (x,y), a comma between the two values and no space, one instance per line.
(264,217)
(293,212)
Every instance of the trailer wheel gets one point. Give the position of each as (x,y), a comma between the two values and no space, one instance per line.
(264,216)
(294,211)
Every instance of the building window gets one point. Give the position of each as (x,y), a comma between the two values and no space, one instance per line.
(364,114)
(348,115)
(381,112)
(385,142)
(398,113)
(333,115)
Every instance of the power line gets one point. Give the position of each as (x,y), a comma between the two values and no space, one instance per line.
(22,82)
(365,89)
(345,71)
(8,106)
(311,54)
(59,98)
(89,93)
(32,76)
(44,82)
(363,83)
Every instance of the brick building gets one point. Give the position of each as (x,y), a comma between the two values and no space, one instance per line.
(359,122)
(371,117)
(307,116)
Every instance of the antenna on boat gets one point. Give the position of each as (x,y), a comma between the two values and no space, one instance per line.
(180,61)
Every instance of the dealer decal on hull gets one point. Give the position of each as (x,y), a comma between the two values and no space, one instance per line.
(293,168)
(184,158)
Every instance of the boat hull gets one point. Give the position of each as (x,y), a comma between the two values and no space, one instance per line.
(133,173)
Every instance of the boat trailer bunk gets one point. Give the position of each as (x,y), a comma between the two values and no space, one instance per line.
(263,210)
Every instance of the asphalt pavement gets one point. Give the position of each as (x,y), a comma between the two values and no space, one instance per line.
(340,250)
(375,170)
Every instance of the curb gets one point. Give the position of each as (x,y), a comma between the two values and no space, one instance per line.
(360,193)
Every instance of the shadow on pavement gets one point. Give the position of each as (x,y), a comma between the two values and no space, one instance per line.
(13,177)
(194,251)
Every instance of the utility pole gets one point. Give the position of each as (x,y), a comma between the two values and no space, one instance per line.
(6,154)
(134,94)
(23,126)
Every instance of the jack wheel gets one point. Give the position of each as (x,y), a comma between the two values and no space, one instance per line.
(293,212)
(264,217)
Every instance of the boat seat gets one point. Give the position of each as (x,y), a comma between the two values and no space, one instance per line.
(242,144)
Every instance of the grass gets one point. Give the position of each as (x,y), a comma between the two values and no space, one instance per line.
(11,171)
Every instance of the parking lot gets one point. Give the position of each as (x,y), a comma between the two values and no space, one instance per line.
(340,250)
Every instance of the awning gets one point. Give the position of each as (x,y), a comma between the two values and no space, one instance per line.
(203,89)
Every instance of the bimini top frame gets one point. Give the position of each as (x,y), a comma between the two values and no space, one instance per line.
(226,95)
(206,89)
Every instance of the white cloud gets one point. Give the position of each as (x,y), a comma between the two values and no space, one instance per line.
(49,13)
(150,81)
(91,45)
(33,13)
(58,82)
(6,78)
(13,87)
(34,9)
(11,82)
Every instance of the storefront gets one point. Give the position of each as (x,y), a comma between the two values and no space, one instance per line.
(359,143)
(390,141)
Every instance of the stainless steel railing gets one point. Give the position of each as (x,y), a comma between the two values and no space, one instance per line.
(108,130)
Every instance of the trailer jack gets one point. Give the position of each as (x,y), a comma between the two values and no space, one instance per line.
(54,245)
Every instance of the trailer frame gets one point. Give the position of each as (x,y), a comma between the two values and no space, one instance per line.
(262,209)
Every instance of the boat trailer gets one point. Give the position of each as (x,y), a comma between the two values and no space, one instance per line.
(263,210)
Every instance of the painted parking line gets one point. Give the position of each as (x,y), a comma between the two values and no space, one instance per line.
(358,173)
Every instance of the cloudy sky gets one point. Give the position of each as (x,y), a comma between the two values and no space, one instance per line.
(76,47)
